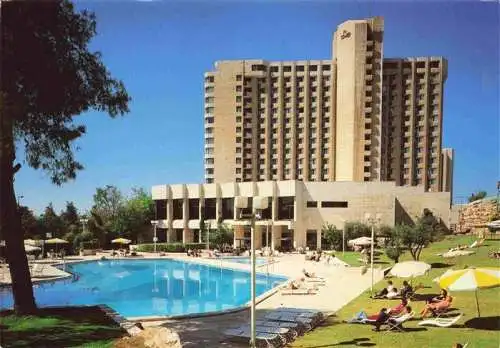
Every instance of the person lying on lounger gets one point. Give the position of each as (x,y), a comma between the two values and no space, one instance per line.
(375,319)
(399,309)
(432,307)
(383,293)
(406,290)
(299,284)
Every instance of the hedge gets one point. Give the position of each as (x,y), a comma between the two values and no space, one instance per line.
(170,247)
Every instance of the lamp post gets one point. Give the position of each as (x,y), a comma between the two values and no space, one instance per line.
(372,221)
(84,223)
(498,196)
(155,239)
(259,204)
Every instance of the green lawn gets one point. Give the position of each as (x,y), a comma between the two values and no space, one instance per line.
(59,327)
(353,258)
(479,332)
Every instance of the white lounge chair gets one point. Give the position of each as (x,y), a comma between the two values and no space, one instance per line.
(299,292)
(269,340)
(441,322)
(396,323)
(37,269)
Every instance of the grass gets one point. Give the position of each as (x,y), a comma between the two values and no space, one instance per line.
(59,327)
(353,258)
(478,332)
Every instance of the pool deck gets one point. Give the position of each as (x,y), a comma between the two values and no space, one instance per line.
(207,331)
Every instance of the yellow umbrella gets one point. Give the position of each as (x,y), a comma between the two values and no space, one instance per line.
(56,241)
(470,279)
(121,241)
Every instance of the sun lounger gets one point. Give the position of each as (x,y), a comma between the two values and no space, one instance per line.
(300,329)
(287,333)
(303,312)
(308,322)
(441,322)
(262,339)
(37,269)
(298,292)
(396,323)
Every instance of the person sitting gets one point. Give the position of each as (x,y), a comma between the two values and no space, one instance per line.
(405,310)
(432,307)
(385,290)
(394,293)
(406,290)
(399,309)
(318,256)
(441,297)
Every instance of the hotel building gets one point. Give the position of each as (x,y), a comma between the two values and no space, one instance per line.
(357,117)
(297,210)
(324,141)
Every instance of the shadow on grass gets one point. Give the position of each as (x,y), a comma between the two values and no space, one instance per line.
(358,342)
(484,323)
(59,327)
(440,265)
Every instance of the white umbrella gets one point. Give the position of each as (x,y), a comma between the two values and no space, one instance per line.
(31,242)
(361,241)
(30,248)
(410,269)
(455,253)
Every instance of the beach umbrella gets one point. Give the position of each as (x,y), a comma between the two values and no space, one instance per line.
(56,241)
(456,253)
(470,279)
(121,241)
(410,269)
(361,241)
(31,242)
(30,248)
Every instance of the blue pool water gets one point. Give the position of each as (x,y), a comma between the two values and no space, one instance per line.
(149,287)
(245,260)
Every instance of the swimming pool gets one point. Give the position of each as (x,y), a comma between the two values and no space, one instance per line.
(245,260)
(136,288)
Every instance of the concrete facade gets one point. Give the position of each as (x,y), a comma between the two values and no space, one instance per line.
(297,210)
(356,117)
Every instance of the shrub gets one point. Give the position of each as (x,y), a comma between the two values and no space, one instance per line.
(170,247)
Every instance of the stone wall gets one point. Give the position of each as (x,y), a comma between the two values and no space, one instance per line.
(476,214)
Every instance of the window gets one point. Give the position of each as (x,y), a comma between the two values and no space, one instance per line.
(334,204)
(238,77)
(313,68)
(325,67)
(274,69)
(287,68)
(299,68)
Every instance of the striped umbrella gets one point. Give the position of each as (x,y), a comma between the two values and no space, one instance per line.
(470,279)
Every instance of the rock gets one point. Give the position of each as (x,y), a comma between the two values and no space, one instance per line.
(476,214)
(153,337)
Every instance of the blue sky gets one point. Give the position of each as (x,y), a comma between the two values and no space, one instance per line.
(161,50)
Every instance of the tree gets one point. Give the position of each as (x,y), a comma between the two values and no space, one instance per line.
(355,229)
(48,76)
(51,222)
(108,206)
(393,244)
(426,230)
(221,236)
(70,216)
(332,235)
(135,214)
(29,223)
(477,196)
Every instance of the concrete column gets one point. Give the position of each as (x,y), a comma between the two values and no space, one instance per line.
(318,239)
(258,236)
(185,218)
(169,219)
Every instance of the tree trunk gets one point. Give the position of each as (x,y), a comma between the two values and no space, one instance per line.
(10,223)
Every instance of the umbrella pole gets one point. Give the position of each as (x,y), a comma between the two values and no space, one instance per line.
(477,304)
